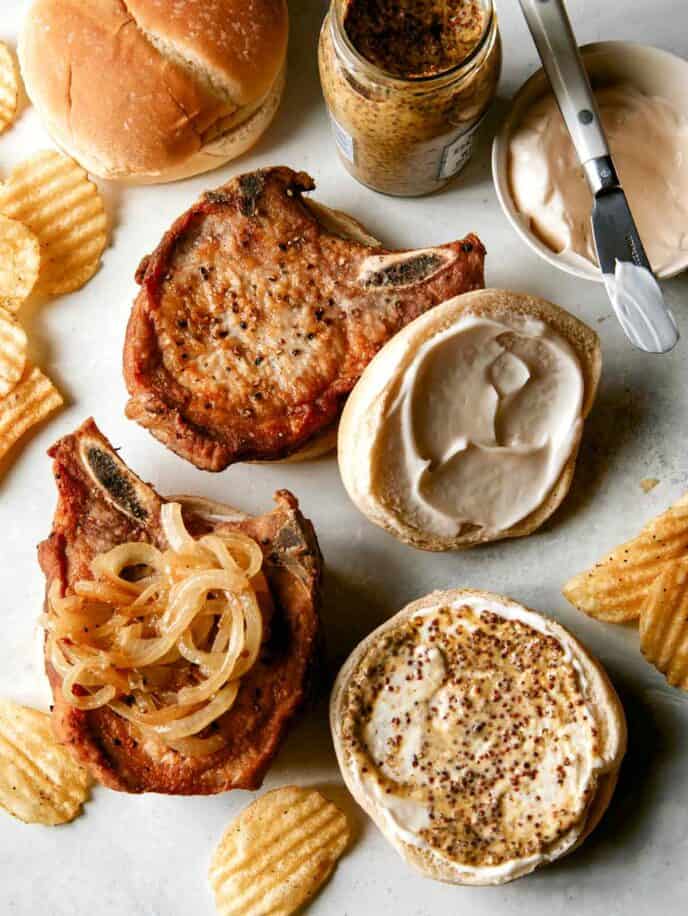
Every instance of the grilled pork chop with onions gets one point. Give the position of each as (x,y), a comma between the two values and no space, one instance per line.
(181,634)
(258,312)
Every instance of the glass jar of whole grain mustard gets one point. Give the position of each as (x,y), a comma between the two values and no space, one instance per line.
(407,83)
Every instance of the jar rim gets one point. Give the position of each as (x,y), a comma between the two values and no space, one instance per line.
(342,42)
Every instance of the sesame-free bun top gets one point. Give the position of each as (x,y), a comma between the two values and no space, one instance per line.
(153,90)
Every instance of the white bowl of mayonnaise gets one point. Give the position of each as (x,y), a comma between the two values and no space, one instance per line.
(540,184)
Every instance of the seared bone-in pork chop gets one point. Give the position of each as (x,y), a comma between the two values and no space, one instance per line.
(255,320)
(102,504)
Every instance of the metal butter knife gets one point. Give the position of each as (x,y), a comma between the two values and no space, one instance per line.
(639,306)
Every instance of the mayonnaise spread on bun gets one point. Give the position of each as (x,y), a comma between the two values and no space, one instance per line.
(470,725)
(484,418)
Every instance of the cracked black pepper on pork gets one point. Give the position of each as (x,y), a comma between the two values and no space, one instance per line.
(254,321)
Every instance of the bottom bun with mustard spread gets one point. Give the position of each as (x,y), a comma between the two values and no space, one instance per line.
(480,736)
(465,427)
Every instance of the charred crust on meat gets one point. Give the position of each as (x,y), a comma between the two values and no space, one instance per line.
(273,302)
(118,486)
(250,188)
(302,181)
(96,493)
(141,269)
(220,196)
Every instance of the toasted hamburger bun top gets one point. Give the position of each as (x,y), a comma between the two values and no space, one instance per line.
(372,469)
(140,90)
(481,737)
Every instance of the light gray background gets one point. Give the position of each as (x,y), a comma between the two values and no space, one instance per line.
(148,855)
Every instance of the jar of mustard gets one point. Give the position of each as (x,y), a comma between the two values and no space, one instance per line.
(407,83)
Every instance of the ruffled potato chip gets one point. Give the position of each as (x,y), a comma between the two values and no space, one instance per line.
(52,195)
(40,782)
(30,401)
(20,262)
(9,88)
(13,345)
(616,588)
(664,623)
(277,853)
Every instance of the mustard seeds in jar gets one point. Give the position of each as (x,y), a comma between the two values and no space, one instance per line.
(407,83)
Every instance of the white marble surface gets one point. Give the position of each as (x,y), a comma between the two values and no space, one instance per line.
(148,855)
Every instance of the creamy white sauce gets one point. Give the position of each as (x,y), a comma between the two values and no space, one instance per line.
(485,418)
(424,702)
(648,138)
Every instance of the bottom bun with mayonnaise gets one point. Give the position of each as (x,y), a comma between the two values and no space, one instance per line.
(481,737)
(465,427)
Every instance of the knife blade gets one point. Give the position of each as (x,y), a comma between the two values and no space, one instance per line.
(635,295)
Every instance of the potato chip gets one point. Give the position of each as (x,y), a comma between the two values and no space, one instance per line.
(52,195)
(9,88)
(615,589)
(20,261)
(33,398)
(40,782)
(277,853)
(12,352)
(664,623)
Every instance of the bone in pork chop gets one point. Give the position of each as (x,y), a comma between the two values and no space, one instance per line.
(255,320)
(102,504)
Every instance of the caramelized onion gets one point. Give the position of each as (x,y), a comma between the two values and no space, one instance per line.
(177,536)
(197,747)
(187,725)
(160,636)
(90,700)
(126,556)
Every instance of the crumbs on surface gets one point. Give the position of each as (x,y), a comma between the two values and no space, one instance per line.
(495,753)
(648,483)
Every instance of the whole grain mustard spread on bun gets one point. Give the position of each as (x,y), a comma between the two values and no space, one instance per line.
(465,427)
(479,735)
(154,90)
